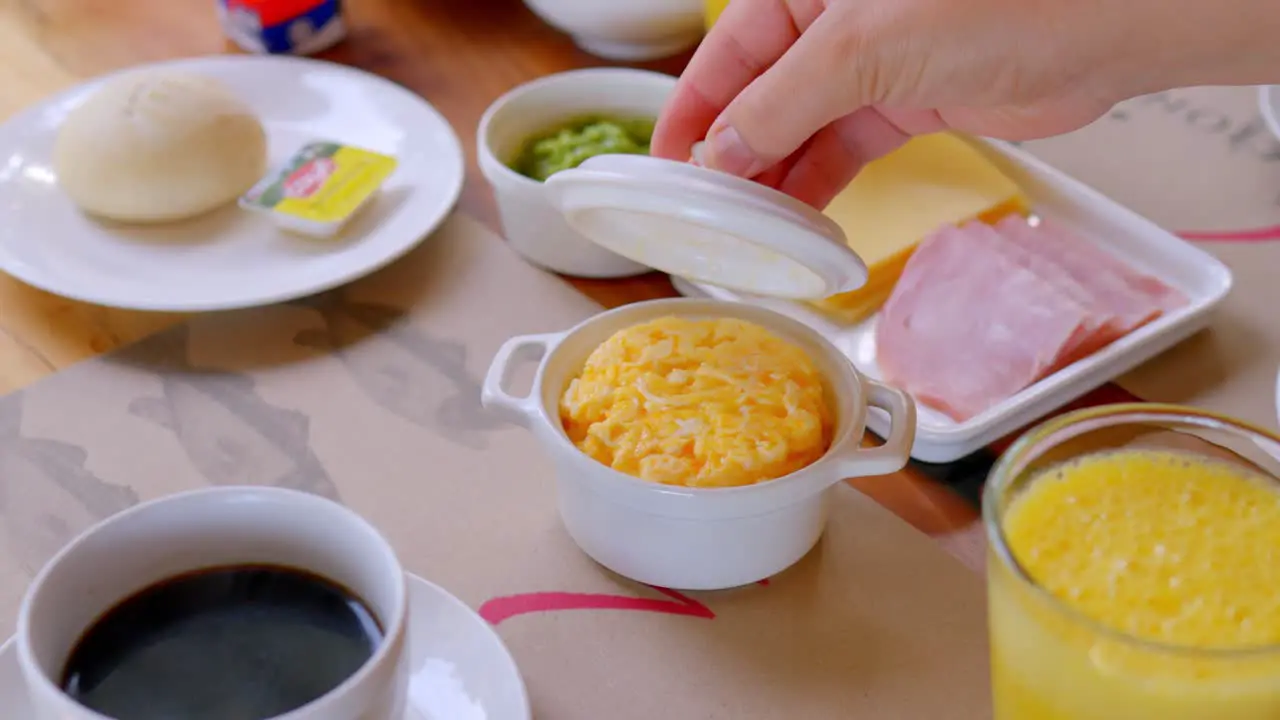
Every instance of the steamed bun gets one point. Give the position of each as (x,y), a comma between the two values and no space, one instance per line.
(155,146)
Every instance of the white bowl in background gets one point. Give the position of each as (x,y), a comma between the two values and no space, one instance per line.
(1269,104)
(696,538)
(626,31)
(531,224)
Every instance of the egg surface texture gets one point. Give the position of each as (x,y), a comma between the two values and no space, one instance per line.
(699,403)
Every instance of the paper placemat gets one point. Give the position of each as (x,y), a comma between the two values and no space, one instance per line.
(370,395)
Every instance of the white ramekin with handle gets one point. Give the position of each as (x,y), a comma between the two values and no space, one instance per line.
(695,538)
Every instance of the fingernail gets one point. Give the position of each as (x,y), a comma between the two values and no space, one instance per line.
(698,154)
(725,151)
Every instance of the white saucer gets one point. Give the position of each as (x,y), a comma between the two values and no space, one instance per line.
(232,258)
(1269,105)
(460,669)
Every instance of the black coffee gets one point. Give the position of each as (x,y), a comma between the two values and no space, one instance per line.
(235,643)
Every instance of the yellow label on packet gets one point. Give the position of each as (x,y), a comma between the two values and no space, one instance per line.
(323,183)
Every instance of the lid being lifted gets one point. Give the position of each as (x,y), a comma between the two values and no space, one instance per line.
(707,226)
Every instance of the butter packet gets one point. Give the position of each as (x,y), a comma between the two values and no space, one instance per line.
(320,188)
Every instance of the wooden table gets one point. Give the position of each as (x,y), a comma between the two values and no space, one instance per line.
(459,54)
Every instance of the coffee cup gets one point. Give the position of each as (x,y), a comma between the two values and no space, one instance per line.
(284,604)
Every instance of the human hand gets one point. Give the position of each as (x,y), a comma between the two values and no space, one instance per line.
(799,94)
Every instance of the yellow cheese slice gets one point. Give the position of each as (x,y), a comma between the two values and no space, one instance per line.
(931,181)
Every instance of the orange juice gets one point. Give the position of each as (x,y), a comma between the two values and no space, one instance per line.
(713,8)
(1135,584)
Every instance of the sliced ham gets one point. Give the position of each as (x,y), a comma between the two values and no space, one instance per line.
(982,312)
(967,326)
(1135,298)
(1099,328)
(1166,298)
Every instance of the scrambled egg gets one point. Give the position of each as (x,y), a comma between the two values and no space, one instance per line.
(699,403)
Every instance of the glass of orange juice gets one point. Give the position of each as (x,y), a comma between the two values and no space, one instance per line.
(1134,568)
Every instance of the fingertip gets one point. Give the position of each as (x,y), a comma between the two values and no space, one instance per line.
(748,37)
(774,176)
(819,174)
(837,153)
(684,120)
(800,93)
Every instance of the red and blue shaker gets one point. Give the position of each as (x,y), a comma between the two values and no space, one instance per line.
(283,27)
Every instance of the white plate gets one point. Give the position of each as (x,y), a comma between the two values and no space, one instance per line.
(1138,241)
(459,669)
(232,258)
(1269,105)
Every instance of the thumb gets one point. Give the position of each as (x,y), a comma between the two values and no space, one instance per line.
(829,72)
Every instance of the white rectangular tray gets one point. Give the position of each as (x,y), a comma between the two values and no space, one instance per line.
(1053,194)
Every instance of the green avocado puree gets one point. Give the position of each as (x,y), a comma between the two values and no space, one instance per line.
(571,143)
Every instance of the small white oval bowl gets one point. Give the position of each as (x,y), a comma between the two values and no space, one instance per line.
(626,31)
(532,225)
(696,538)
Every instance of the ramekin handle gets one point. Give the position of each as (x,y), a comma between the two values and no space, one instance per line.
(891,456)
(494,395)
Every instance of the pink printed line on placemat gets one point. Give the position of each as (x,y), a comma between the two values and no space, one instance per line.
(1255,235)
(504,608)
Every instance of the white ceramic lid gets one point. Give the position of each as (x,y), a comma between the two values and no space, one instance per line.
(707,226)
